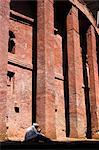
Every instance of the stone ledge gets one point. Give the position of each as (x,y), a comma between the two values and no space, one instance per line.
(50,146)
(20,63)
(21,18)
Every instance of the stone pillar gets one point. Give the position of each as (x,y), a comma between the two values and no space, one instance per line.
(4,28)
(45,110)
(75,77)
(94,87)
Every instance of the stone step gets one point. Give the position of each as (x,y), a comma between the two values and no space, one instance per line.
(68,145)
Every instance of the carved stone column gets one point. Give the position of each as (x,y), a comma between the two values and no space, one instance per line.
(93,76)
(75,76)
(45,74)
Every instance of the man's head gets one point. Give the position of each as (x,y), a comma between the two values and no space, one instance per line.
(36,125)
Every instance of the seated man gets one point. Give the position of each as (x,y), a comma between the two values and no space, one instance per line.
(33,134)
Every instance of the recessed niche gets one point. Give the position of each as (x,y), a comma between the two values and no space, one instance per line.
(55,110)
(11,43)
(16,109)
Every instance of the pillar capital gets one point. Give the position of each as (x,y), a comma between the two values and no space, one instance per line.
(72,17)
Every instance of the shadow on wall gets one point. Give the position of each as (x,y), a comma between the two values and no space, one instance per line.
(60,25)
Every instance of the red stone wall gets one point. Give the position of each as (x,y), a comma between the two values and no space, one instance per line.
(59,88)
(20,91)
(23,40)
(16,93)
(4,26)
(19,95)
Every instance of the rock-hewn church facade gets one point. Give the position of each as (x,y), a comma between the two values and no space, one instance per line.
(49,69)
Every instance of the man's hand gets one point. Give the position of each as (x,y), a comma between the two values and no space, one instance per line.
(39,130)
